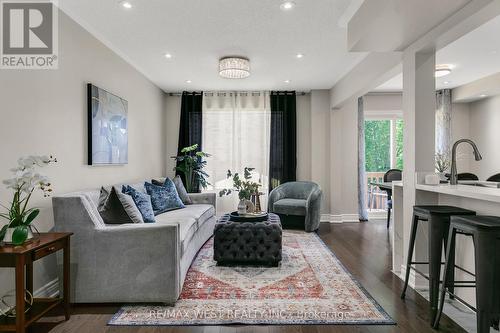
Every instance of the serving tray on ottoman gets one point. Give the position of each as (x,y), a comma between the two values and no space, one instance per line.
(248,243)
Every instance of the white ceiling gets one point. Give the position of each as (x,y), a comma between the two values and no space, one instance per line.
(473,56)
(198,32)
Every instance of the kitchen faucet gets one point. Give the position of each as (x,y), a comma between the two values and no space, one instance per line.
(477,156)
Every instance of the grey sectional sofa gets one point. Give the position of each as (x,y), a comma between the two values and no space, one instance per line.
(144,262)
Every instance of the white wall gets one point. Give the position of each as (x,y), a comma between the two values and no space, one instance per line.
(304,137)
(484,131)
(344,162)
(45,112)
(460,129)
(320,144)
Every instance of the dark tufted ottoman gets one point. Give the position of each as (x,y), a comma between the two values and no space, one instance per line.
(248,243)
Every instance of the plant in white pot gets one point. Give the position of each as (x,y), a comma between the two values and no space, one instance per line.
(19,215)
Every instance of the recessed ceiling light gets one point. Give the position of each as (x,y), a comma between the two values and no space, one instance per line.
(168,55)
(446,82)
(287,81)
(442,70)
(299,55)
(126,4)
(483,95)
(188,81)
(287,5)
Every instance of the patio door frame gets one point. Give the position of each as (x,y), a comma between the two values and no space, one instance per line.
(391,115)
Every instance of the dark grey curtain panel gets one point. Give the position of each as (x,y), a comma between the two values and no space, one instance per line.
(190,131)
(283,152)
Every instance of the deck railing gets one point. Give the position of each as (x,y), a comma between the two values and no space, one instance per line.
(376,198)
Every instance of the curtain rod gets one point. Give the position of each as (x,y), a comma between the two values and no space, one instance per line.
(298,93)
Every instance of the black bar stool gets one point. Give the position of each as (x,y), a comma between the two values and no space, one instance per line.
(485,231)
(438,218)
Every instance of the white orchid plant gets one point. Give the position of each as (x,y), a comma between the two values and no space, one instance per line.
(25,181)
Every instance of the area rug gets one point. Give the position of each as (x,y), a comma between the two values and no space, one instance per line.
(310,286)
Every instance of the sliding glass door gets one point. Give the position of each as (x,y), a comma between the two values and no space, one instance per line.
(383,151)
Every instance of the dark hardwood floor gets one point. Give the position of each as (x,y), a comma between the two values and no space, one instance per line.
(363,248)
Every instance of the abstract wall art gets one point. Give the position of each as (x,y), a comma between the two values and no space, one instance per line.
(107,127)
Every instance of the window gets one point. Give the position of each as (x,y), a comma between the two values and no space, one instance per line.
(383,151)
(236,132)
(383,145)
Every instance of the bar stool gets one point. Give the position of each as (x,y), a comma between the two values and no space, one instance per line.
(485,232)
(438,218)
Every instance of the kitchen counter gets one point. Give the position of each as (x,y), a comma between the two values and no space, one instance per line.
(465,191)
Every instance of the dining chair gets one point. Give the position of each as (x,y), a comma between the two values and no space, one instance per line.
(494,178)
(390,176)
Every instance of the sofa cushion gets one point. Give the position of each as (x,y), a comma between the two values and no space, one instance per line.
(117,208)
(142,201)
(290,207)
(179,186)
(183,194)
(164,198)
(189,220)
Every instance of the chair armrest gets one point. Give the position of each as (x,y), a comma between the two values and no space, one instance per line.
(204,198)
(314,197)
(313,208)
(275,195)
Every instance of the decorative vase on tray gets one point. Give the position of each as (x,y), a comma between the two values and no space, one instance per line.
(245,188)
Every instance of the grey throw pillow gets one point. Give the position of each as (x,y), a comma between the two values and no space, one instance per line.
(117,208)
(181,190)
(179,186)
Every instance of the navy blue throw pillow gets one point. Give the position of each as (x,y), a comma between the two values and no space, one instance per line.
(164,198)
(143,203)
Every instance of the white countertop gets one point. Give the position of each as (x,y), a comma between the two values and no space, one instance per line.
(466,191)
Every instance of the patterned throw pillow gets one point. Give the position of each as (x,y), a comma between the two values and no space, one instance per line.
(142,201)
(179,186)
(164,198)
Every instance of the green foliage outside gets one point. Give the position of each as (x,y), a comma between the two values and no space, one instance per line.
(378,145)
(399,144)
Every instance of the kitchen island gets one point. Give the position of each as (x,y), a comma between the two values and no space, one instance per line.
(482,199)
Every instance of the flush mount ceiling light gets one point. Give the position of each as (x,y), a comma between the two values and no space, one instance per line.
(126,4)
(234,67)
(442,70)
(287,5)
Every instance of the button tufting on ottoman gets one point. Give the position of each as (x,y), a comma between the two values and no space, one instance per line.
(251,243)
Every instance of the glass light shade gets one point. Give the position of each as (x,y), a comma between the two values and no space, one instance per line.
(442,70)
(234,68)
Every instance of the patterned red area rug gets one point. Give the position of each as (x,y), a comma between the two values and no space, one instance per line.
(310,286)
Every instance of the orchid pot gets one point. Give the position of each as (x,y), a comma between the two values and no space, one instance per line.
(24,183)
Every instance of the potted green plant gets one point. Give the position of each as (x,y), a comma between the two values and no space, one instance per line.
(442,164)
(25,181)
(191,163)
(245,188)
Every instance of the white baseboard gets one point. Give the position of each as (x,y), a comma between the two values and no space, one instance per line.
(51,289)
(340,218)
(415,281)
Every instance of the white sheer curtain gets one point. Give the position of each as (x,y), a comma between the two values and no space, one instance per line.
(236,131)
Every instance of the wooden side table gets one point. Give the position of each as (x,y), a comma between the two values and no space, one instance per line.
(22,258)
